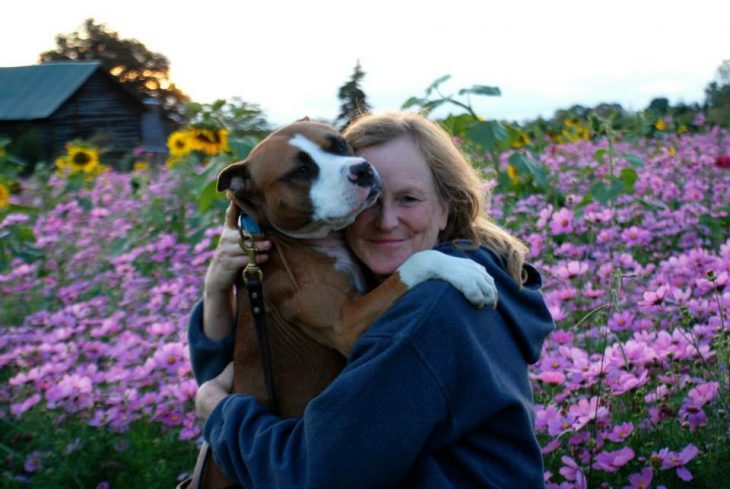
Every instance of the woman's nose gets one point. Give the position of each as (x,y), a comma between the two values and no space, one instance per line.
(387,218)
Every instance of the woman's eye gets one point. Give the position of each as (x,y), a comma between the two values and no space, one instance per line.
(408,199)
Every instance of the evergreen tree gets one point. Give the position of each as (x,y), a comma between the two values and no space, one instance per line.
(127,60)
(717,96)
(353,99)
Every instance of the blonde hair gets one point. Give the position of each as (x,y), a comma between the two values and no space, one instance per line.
(457,182)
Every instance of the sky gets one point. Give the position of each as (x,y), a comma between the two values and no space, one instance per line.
(291,56)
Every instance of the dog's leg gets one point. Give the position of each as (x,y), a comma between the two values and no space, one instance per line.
(470,278)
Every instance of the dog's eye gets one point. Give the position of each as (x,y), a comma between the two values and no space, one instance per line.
(304,171)
(339,146)
(306,168)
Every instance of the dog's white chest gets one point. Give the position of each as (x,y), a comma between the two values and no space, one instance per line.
(344,261)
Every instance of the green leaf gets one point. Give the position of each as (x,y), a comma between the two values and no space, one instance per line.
(488,134)
(600,193)
(528,166)
(633,160)
(436,83)
(628,176)
(457,125)
(413,101)
(600,154)
(242,146)
(208,196)
(482,90)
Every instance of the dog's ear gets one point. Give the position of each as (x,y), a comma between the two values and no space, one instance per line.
(235,177)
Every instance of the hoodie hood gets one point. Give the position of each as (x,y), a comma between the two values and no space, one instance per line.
(523,308)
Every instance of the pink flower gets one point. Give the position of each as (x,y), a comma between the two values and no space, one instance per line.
(612,461)
(635,236)
(620,432)
(621,321)
(33,462)
(670,460)
(641,480)
(19,408)
(562,221)
(584,411)
(170,357)
(570,469)
(571,269)
(655,297)
(551,377)
(704,393)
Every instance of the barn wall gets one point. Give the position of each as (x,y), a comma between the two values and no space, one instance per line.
(99,109)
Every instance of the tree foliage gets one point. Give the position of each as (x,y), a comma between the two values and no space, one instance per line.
(353,99)
(128,60)
(718,96)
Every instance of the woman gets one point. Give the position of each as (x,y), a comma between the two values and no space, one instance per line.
(436,392)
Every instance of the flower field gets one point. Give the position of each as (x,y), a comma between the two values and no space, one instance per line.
(631,235)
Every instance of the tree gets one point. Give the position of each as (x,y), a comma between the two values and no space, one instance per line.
(127,60)
(717,96)
(352,98)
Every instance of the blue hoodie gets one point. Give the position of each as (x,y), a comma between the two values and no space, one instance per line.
(435,394)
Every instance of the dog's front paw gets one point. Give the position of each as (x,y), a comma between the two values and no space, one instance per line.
(469,277)
(474,282)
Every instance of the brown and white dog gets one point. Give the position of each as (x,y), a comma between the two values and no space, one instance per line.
(303,185)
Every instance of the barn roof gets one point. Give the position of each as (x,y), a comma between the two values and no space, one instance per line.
(35,92)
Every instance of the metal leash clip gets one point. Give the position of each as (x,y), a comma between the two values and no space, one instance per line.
(248,245)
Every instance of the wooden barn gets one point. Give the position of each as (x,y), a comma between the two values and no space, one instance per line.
(42,107)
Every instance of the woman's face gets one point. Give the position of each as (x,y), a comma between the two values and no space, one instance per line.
(407,217)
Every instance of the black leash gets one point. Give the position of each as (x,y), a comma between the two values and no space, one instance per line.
(253,277)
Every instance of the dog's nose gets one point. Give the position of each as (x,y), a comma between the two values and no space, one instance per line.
(362,174)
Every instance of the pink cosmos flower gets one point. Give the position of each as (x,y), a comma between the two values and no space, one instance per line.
(171,356)
(641,480)
(621,321)
(19,408)
(551,377)
(620,432)
(655,297)
(670,460)
(544,216)
(635,236)
(562,222)
(704,393)
(612,461)
(33,462)
(571,269)
(584,411)
(570,468)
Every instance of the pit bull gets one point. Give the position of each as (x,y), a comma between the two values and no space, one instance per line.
(302,185)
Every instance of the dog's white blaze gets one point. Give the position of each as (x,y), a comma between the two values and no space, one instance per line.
(335,199)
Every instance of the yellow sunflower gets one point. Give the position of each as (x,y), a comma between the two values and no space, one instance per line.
(660,125)
(209,141)
(179,143)
(4,195)
(81,158)
(140,165)
(2,151)
(513,174)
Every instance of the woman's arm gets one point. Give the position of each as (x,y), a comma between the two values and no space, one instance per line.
(211,322)
(365,430)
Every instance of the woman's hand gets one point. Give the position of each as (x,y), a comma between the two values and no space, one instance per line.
(227,262)
(213,391)
(229,259)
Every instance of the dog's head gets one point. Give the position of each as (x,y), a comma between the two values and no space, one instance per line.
(302,180)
